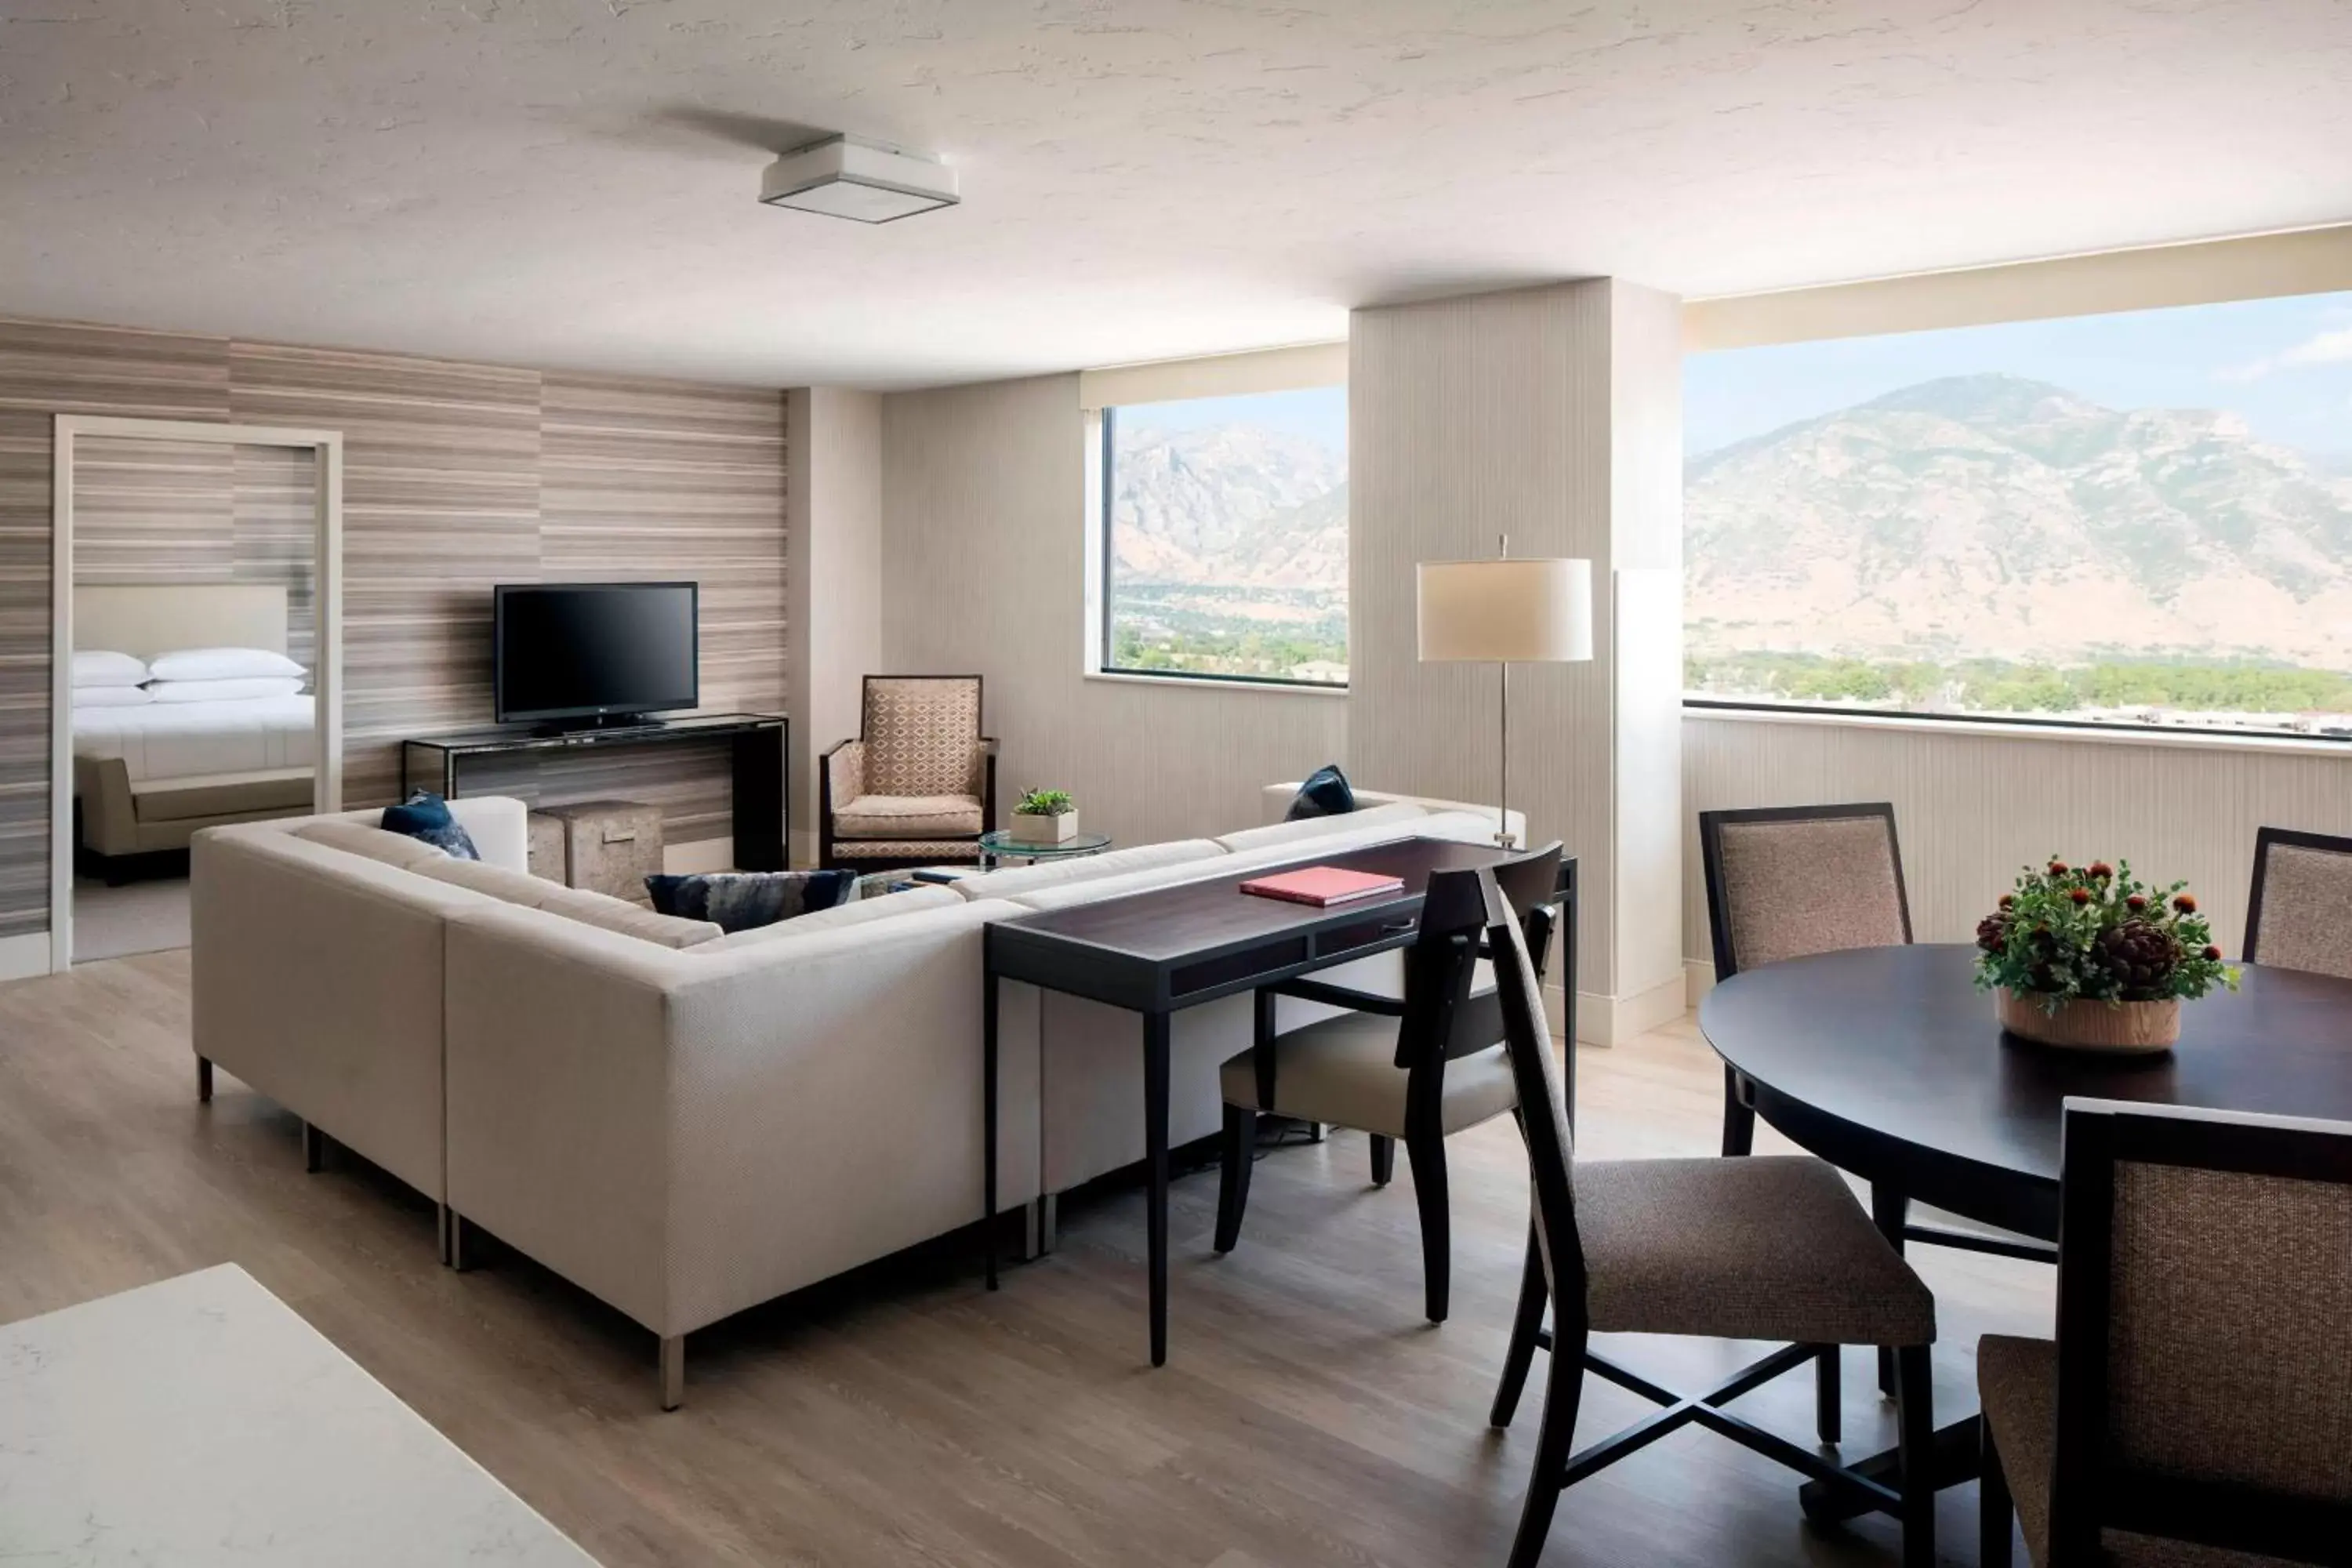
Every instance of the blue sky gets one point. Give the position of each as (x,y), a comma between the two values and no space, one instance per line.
(2284,364)
(1317,413)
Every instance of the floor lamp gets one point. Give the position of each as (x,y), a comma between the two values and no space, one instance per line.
(1504,612)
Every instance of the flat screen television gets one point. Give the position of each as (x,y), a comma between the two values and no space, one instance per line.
(588,653)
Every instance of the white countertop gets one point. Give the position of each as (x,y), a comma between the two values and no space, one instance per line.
(200,1422)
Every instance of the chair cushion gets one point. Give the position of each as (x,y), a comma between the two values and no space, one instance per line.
(1344,1071)
(2017,1385)
(1765,1247)
(907,816)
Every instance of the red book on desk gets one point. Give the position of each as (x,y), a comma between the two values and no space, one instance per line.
(1324,885)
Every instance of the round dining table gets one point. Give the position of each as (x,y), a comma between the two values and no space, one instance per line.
(1887,1062)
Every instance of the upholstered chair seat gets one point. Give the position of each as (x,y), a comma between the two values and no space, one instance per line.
(908,817)
(1344,1071)
(917,787)
(1769,1248)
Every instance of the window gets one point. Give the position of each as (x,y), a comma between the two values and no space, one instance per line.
(2138,519)
(1226,554)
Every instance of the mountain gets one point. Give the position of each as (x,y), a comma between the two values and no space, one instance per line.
(1996,516)
(1230,506)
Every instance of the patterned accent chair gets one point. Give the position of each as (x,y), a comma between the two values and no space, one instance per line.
(2195,1410)
(917,787)
(2299,915)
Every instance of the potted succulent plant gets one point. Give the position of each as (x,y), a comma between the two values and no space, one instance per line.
(2086,956)
(1044,817)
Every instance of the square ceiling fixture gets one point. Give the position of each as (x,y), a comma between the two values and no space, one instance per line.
(843,178)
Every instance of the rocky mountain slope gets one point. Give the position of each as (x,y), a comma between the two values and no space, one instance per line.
(1993,516)
(1230,506)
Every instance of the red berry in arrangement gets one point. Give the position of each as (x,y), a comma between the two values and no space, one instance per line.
(2101,869)
(2081,895)
(2215,953)
(2057,868)
(2185,904)
(2137,901)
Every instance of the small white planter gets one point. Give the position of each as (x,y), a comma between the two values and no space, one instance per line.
(1029,829)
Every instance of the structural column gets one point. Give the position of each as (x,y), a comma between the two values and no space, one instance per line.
(1552,414)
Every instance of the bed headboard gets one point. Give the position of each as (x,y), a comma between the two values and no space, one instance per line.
(144,619)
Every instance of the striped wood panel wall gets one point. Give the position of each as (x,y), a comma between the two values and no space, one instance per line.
(455,476)
(196,512)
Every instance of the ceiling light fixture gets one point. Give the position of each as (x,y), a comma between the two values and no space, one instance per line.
(841,176)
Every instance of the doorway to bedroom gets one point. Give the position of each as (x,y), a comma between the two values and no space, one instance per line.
(197,606)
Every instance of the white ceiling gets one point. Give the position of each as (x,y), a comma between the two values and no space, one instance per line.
(572,183)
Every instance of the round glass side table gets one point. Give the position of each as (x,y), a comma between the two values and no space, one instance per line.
(999,846)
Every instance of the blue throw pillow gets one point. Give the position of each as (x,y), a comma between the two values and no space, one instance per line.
(1325,793)
(746,900)
(427,817)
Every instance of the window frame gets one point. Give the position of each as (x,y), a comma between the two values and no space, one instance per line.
(1898,716)
(1103,561)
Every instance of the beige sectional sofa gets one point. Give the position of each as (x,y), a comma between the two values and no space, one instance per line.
(685,1124)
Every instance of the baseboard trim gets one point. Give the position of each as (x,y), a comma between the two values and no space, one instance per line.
(803,850)
(1698,979)
(23,957)
(1603,1020)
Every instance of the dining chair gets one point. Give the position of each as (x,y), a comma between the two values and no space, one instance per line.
(2299,912)
(2196,1407)
(917,787)
(1791,881)
(1419,1067)
(1769,1248)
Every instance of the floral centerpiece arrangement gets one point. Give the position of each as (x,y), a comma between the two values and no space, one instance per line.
(2089,956)
(1044,817)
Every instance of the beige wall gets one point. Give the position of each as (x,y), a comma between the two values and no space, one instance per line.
(834,505)
(1551,415)
(984,558)
(1971,808)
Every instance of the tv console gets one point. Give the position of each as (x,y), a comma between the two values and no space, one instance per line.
(758,742)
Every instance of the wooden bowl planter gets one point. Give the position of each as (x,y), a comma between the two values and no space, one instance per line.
(2126,1028)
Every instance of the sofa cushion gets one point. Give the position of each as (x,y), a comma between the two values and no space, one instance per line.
(1324,793)
(907,816)
(882,906)
(749,900)
(1304,831)
(425,816)
(374,843)
(574,903)
(1017,880)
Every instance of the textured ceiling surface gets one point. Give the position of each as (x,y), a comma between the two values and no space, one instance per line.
(572,183)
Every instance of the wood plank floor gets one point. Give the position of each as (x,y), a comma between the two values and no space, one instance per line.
(1307,1414)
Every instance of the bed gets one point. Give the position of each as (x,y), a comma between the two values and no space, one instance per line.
(147,777)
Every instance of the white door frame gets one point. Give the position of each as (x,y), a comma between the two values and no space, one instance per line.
(326,678)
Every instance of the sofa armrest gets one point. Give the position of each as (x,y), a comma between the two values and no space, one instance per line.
(686,1135)
(1274,802)
(500,826)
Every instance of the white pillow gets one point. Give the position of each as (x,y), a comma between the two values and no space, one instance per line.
(111,695)
(222,664)
(224,690)
(99,669)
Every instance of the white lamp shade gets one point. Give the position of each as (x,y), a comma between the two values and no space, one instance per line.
(1506,611)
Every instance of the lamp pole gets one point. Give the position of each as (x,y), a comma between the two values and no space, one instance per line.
(1504,838)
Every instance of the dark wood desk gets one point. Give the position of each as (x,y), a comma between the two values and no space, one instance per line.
(757,744)
(1158,952)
